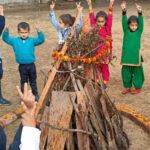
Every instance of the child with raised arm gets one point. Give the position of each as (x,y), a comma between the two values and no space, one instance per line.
(2,24)
(131,61)
(102,24)
(24,49)
(64,23)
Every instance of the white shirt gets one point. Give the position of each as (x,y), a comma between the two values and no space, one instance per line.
(30,138)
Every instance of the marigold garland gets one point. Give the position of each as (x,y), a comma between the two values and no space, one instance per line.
(58,55)
(139,117)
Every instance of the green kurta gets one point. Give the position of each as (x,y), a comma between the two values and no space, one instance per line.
(131,55)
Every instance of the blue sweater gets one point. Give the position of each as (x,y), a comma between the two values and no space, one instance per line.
(24,49)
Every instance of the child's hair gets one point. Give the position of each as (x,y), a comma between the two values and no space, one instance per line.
(132,19)
(24,26)
(67,19)
(101,14)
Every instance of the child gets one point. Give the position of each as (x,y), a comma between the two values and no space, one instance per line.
(24,49)
(104,23)
(2,24)
(65,23)
(131,61)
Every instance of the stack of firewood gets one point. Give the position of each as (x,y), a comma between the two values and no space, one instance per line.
(77,113)
(81,119)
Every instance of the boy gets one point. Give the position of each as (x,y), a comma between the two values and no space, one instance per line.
(2,24)
(24,49)
(132,69)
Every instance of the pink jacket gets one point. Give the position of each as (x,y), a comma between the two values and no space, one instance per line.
(104,31)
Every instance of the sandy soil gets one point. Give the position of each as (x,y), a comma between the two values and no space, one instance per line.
(141,102)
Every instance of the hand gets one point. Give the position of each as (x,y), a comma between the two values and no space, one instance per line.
(1,10)
(37,28)
(111,3)
(79,7)
(52,6)
(123,6)
(28,118)
(27,97)
(89,4)
(6,27)
(138,7)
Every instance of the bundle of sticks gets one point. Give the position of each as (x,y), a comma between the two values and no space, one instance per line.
(77,113)
(83,118)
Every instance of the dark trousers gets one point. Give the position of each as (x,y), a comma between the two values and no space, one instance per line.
(28,73)
(1,69)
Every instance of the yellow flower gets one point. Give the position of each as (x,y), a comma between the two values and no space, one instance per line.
(65,58)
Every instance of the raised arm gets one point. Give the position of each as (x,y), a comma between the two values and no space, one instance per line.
(52,16)
(2,19)
(6,38)
(91,13)
(80,9)
(40,39)
(140,18)
(124,17)
(110,14)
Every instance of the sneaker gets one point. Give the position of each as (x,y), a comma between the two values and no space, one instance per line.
(4,102)
(136,91)
(126,91)
(36,98)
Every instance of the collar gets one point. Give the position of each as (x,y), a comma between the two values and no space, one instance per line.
(24,39)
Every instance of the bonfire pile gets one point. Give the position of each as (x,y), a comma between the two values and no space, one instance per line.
(78,113)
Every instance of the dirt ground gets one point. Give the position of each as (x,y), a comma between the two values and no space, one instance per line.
(141,102)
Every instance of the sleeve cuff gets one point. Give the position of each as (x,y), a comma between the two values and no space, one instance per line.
(30,134)
(91,11)
(110,11)
(140,13)
(124,13)
(2,17)
(51,13)
(6,32)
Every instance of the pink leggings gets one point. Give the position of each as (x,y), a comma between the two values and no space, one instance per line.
(104,70)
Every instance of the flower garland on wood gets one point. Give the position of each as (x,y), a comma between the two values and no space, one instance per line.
(96,59)
(133,113)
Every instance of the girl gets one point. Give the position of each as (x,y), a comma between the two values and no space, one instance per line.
(64,24)
(131,61)
(103,22)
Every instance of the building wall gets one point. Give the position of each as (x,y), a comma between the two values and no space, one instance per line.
(18,1)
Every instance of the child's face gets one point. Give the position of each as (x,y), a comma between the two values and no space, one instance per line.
(61,24)
(133,26)
(101,21)
(24,33)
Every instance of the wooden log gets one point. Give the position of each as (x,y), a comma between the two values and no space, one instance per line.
(11,117)
(73,78)
(60,114)
(111,138)
(44,129)
(83,140)
(122,140)
(92,115)
(70,141)
(96,115)
(88,71)
(86,24)
(56,67)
